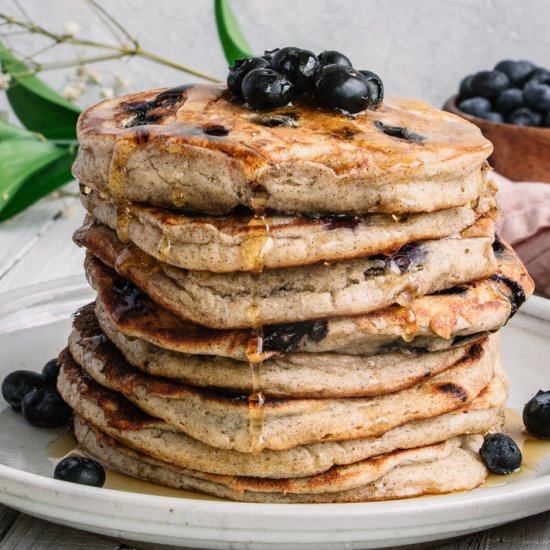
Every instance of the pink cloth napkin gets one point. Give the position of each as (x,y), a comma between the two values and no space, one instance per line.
(526,225)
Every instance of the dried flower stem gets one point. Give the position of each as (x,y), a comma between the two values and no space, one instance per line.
(118,52)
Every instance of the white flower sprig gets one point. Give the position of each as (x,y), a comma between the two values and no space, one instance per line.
(5,80)
(127,46)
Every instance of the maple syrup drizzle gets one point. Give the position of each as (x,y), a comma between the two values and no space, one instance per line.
(409,326)
(123,221)
(164,248)
(254,247)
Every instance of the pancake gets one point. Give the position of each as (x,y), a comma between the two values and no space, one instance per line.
(228,420)
(291,375)
(240,299)
(217,243)
(430,470)
(164,148)
(114,415)
(429,323)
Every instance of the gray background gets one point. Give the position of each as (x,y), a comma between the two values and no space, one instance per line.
(420,48)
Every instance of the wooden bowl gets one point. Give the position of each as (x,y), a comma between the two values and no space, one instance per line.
(522,153)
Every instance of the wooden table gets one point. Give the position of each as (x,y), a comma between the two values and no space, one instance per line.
(36,247)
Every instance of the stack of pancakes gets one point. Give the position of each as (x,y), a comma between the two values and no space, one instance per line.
(292,306)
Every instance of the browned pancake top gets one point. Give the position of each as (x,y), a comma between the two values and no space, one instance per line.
(402,136)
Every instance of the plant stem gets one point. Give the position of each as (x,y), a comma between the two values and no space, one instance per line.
(175,65)
(118,51)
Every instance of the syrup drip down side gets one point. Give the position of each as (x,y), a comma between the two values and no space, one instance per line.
(254,248)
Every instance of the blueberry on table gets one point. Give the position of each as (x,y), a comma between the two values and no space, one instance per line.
(50,372)
(45,408)
(332,57)
(475,106)
(516,71)
(536,415)
(19,383)
(342,88)
(509,100)
(376,87)
(82,470)
(267,89)
(524,117)
(465,90)
(546,120)
(537,96)
(241,68)
(500,454)
(300,66)
(489,83)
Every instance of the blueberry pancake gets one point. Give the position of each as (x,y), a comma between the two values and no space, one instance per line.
(111,413)
(289,375)
(449,466)
(222,243)
(196,149)
(221,418)
(429,323)
(242,299)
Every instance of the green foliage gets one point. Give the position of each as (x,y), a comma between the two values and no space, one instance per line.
(233,42)
(37,106)
(34,163)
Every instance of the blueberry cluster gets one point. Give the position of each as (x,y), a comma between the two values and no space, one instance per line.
(280,76)
(35,395)
(517,92)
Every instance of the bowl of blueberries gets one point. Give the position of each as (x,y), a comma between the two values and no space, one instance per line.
(511,106)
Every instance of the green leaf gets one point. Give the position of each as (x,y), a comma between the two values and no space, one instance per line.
(20,160)
(9,131)
(40,183)
(232,39)
(38,107)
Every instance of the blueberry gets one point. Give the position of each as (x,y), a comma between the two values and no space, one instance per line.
(266,89)
(489,83)
(268,54)
(509,100)
(50,372)
(298,65)
(546,120)
(78,469)
(376,87)
(536,415)
(332,57)
(45,408)
(500,454)
(19,383)
(465,90)
(475,106)
(342,88)
(241,68)
(516,71)
(537,96)
(497,118)
(539,75)
(524,117)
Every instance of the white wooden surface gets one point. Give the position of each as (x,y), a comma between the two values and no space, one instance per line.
(36,246)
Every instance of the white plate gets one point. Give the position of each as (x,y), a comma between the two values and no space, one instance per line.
(34,324)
